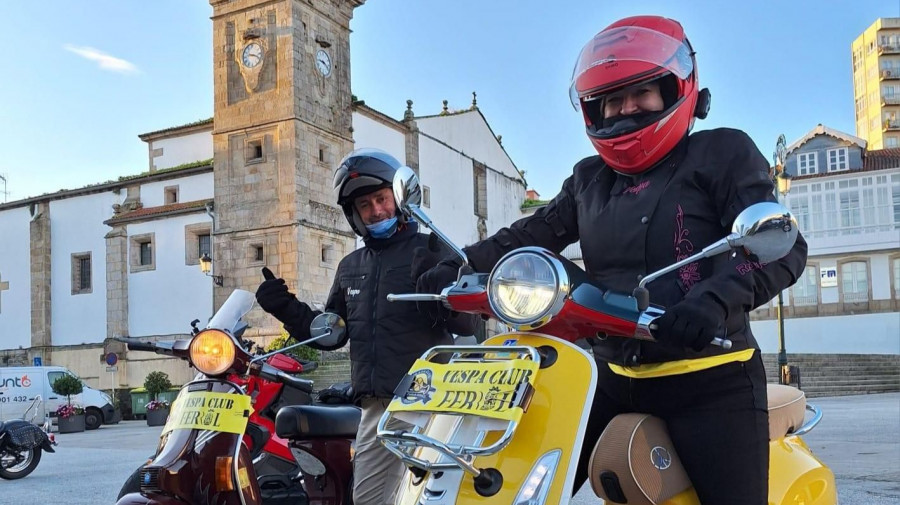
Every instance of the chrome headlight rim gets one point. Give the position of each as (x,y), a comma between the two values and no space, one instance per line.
(561,278)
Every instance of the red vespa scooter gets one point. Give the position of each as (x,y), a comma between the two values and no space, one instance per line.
(203,456)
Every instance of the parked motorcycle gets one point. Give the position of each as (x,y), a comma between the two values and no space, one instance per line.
(204,454)
(21,443)
(504,421)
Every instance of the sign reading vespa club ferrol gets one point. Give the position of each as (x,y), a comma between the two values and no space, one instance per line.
(201,410)
(493,389)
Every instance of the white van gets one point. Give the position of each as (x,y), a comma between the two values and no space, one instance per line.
(20,385)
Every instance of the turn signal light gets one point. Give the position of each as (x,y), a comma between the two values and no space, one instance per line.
(224,480)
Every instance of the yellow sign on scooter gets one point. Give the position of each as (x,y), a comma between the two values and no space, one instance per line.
(201,410)
(490,389)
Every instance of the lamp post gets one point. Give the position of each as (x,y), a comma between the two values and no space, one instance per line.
(206,268)
(782,182)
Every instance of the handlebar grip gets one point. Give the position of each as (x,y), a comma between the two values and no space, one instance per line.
(141,346)
(271,373)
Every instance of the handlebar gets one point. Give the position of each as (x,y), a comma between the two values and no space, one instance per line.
(271,373)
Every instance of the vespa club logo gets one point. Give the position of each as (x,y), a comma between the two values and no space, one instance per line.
(660,458)
(419,389)
(16,382)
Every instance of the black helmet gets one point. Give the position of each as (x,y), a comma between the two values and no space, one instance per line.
(361,172)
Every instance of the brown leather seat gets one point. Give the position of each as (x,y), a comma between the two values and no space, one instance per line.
(787,408)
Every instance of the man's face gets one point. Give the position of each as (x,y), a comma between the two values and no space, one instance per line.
(376,207)
(635,99)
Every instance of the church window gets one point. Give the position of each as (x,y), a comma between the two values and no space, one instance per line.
(197,241)
(81,273)
(254,151)
(171,195)
(257,253)
(142,253)
(480,186)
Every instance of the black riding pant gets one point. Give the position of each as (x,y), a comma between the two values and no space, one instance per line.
(717,419)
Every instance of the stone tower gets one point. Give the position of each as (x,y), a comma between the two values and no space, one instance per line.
(282,120)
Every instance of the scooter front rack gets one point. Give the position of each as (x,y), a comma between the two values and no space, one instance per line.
(464,430)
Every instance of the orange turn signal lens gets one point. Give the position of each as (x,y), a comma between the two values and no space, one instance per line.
(224,481)
(212,352)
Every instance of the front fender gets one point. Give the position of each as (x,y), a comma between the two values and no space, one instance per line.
(140,499)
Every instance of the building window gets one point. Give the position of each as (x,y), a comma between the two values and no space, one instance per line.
(426,197)
(328,255)
(81,273)
(891,142)
(197,241)
(142,253)
(849,198)
(895,270)
(253,151)
(806,290)
(806,163)
(257,254)
(480,186)
(170,195)
(837,159)
(855,281)
(325,154)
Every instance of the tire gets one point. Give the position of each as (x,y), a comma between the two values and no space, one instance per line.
(132,484)
(22,469)
(93,418)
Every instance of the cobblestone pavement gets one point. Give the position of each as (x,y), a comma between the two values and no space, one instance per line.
(859,437)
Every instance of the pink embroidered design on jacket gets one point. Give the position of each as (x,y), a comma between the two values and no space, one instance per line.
(688,274)
(749,266)
(637,189)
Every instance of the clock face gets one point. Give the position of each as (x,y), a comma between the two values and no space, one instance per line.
(323,62)
(252,55)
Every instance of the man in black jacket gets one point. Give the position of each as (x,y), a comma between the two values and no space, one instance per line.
(654,196)
(385,338)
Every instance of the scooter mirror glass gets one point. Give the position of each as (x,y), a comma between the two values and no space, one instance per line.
(406,189)
(327,328)
(767,230)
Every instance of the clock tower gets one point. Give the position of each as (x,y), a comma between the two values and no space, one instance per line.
(282,120)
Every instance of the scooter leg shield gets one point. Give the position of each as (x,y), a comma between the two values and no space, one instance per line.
(798,476)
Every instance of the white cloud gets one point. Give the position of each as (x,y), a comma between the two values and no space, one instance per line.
(105,61)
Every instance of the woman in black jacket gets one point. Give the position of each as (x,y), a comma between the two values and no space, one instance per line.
(653,196)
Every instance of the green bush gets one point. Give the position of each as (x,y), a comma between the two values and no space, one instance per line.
(157,382)
(67,385)
(304,352)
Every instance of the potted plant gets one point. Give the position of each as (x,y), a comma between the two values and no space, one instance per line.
(70,418)
(157,411)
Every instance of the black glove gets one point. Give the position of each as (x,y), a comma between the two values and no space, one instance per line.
(273,296)
(434,280)
(424,259)
(693,323)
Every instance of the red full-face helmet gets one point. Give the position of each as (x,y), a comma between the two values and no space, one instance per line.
(630,52)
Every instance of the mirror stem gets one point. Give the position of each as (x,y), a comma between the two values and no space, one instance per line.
(426,222)
(718,247)
(283,349)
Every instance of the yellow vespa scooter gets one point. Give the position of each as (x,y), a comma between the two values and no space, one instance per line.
(503,422)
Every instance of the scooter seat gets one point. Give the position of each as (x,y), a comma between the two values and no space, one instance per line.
(787,408)
(303,422)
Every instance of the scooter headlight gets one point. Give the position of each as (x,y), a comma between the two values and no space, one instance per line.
(527,287)
(212,352)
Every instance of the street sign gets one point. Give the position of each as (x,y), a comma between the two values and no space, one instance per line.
(112,358)
(112,369)
(37,361)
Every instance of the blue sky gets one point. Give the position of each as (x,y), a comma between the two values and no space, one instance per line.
(79,84)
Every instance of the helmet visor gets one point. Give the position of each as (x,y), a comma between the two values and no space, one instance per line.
(627,54)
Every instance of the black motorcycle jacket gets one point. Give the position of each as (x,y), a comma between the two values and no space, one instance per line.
(385,337)
(630,226)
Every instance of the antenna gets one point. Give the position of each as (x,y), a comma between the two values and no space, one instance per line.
(4,192)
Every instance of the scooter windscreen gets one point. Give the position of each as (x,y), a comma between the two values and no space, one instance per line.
(235,307)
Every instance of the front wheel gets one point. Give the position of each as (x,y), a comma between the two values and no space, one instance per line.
(93,418)
(15,464)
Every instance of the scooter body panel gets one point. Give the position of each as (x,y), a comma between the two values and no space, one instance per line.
(189,463)
(562,399)
(797,476)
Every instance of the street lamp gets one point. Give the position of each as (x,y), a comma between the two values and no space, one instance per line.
(206,268)
(782,182)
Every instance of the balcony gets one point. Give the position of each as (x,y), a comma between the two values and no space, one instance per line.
(889,125)
(888,49)
(890,100)
(890,74)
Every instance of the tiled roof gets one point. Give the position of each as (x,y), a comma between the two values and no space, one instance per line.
(147,213)
(195,124)
(882,159)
